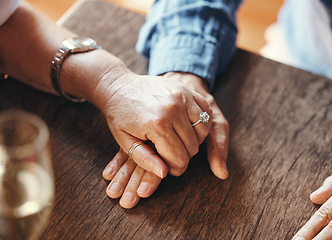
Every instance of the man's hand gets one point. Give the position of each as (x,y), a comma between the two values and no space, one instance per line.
(319,226)
(129,182)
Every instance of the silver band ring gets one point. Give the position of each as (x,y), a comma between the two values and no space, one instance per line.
(133,147)
(203,117)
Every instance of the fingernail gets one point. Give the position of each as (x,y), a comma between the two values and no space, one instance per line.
(128,197)
(159,172)
(318,191)
(224,169)
(299,238)
(108,171)
(143,188)
(318,196)
(115,188)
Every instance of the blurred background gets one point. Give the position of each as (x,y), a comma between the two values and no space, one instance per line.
(254,18)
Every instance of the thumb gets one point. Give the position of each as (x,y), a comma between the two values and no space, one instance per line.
(217,157)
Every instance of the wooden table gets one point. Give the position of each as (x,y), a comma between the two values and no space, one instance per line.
(280,150)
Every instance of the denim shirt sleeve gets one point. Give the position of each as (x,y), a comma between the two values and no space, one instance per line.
(196,36)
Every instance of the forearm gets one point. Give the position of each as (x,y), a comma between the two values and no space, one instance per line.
(29,42)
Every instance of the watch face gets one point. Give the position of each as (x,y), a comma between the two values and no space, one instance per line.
(79,44)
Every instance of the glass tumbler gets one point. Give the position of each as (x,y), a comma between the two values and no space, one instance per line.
(26,177)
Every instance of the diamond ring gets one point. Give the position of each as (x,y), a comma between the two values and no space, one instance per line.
(203,117)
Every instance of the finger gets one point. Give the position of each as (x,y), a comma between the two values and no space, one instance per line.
(114,165)
(170,148)
(323,193)
(218,144)
(325,234)
(191,136)
(143,155)
(187,135)
(118,184)
(201,129)
(130,197)
(181,131)
(146,158)
(317,222)
(148,185)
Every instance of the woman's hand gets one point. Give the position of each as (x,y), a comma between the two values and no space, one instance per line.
(128,180)
(159,109)
(217,140)
(319,225)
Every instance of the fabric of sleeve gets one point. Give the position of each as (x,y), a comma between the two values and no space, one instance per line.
(196,36)
(7,7)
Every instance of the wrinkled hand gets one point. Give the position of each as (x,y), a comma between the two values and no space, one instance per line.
(128,180)
(217,140)
(160,110)
(319,226)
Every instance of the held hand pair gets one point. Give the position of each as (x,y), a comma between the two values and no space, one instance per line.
(203,118)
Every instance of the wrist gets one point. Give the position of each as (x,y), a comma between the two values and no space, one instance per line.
(83,74)
(108,83)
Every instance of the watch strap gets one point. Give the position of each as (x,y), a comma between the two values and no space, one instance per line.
(56,65)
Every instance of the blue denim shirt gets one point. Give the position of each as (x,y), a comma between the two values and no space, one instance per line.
(196,36)
(199,36)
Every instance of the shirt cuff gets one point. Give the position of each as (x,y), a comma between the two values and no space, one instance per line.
(184,53)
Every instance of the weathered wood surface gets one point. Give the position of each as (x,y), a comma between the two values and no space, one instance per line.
(280,150)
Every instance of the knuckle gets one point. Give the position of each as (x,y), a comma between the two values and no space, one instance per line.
(172,108)
(142,160)
(158,122)
(122,173)
(160,125)
(330,225)
(178,96)
(210,112)
(183,163)
(221,127)
(325,213)
(182,170)
(226,125)
(177,172)
(209,98)
(174,104)
(134,181)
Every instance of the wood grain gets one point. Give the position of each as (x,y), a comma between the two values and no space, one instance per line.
(280,151)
